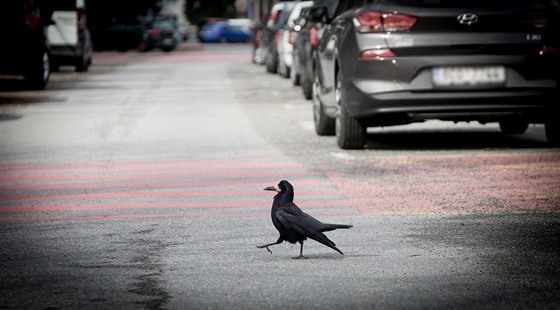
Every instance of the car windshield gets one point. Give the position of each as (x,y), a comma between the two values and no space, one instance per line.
(466,3)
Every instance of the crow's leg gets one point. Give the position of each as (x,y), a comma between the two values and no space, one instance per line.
(300,252)
(280,240)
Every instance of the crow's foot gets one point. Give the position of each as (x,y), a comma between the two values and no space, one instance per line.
(300,257)
(264,246)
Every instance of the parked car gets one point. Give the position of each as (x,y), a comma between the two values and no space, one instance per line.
(207,21)
(311,25)
(277,18)
(286,38)
(162,33)
(69,38)
(393,62)
(227,31)
(25,52)
(123,34)
(257,55)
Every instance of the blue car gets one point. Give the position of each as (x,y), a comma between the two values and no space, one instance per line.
(225,32)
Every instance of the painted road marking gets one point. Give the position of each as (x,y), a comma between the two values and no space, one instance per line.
(40,191)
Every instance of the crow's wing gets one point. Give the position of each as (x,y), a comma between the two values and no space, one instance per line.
(292,217)
(296,220)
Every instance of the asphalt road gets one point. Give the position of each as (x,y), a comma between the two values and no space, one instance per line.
(139,185)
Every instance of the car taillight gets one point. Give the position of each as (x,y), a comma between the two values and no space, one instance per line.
(375,21)
(272,19)
(541,19)
(154,32)
(313,36)
(31,18)
(548,50)
(81,21)
(378,54)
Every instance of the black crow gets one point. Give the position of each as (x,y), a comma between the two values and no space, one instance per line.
(295,225)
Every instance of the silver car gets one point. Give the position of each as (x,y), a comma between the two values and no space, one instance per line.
(393,62)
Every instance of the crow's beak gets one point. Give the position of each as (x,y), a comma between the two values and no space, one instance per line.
(272,188)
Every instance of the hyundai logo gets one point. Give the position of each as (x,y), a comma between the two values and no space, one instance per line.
(467,18)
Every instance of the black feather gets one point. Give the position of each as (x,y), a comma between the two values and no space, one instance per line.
(293,224)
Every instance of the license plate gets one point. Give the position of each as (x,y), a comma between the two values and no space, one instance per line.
(468,76)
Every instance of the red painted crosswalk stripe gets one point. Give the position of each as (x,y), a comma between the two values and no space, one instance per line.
(41,191)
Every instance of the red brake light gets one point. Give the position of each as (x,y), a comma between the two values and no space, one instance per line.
(548,50)
(154,32)
(378,54)
(375,21)
(81,21)
(540,19)
(32,20)
(313,36)
(272,19)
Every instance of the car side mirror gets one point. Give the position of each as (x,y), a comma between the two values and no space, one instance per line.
(299,23)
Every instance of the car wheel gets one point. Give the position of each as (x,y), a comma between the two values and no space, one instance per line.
(282,69)
(82,64)
(38,72)
(307,86)
(272,63)
(512,127)
(350,134)
(168,48)
(324,125)
(552,130)
(142,46)
(294,73)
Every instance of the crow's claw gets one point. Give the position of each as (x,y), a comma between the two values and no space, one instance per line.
(264,246)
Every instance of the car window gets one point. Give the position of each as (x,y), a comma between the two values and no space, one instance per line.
(464,3)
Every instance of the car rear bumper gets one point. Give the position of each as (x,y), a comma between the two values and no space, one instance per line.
(391,93)
(534,106)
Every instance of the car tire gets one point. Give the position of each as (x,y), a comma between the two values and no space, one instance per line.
(324,124)
(272,63)
(38,72)
(294,73)
(283,70)
(307,86)
(552,130)
(512,127)
(350,134)
(82,65)
(168,48)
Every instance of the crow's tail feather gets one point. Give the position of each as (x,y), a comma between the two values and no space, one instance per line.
(329,227)
(321,238)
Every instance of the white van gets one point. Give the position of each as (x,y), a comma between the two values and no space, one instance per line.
(69,38)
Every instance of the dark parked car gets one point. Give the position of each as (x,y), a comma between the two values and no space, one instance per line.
(270,35)
(123,35)
(311,25)
(392,62)
(286,38)
(23,34)
(162,33)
